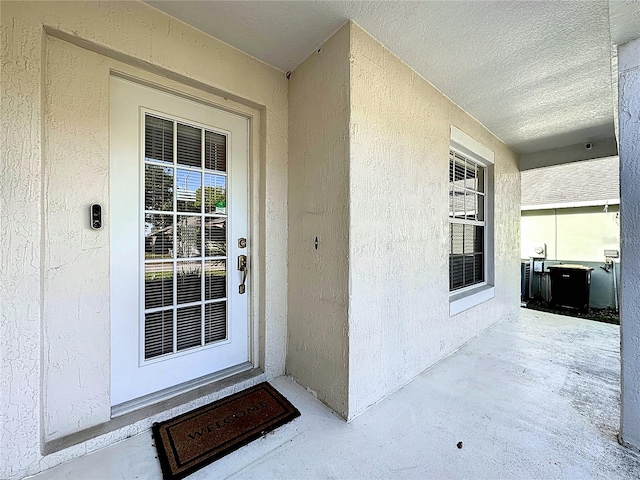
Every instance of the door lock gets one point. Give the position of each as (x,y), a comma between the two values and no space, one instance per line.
(242,267)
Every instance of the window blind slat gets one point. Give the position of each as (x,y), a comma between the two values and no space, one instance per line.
(158,285)
(215,280)
(215,151)
(215,237)
(188,281)
(189,333)
(189,151)
(158,139)
(158,333)
(215,321)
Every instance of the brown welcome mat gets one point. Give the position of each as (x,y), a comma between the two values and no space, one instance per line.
(192,440)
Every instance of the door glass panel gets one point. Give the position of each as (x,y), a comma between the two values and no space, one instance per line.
(215,189)
(215,322)
(158,187)
(158,139)
(215,151)
(158,236)
(215,236)
(185,190)
(189,327)
(158,333)
(215,279)
(189,150)
(188,186)
(158,284)
(189,281)
(188,236)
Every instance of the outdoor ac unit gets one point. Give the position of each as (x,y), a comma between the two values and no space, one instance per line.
(538,250)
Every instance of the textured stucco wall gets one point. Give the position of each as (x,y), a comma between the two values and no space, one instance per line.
(318,207)
(399,320)
(54,294)
(75,258)
(576,234)
(629,115)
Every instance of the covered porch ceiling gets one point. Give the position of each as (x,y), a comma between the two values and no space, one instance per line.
(537,74)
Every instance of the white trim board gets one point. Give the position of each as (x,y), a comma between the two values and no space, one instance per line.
(471,147)
(584,203)
(470,299)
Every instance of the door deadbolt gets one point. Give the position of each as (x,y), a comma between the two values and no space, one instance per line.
(242,243)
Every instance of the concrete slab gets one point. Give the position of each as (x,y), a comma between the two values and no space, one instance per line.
(533,397)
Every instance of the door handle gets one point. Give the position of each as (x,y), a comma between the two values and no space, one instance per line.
(242,266)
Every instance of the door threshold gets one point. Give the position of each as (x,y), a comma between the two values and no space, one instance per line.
(167,393)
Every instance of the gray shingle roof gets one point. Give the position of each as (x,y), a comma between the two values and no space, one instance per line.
(585,181)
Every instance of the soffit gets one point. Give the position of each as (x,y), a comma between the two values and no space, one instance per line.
(537,74)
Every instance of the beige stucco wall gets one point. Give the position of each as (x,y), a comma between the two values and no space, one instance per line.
(54,275)
(387,176)
(573,234)
(399,321)
(318,207)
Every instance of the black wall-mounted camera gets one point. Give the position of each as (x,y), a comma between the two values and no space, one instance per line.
(96,216)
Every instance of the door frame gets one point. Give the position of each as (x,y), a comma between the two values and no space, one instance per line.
(95,63)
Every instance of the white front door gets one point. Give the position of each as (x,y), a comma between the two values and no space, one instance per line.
(178,218)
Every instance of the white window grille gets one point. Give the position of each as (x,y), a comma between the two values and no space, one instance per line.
(185,239)
(467,225)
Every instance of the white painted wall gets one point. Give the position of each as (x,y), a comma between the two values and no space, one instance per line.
(54,276)
(576,234)
(317,353)
(629,146)
(399,320)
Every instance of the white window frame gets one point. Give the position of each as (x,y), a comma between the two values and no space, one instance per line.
(468,297)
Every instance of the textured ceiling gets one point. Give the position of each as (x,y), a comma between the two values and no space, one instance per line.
(537,74)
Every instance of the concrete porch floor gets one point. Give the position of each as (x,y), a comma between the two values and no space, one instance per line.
(532,397)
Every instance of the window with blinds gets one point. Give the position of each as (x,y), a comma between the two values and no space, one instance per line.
(185,237)
(467,202)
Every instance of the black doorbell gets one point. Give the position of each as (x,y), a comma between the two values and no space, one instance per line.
(96,216)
